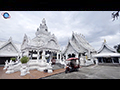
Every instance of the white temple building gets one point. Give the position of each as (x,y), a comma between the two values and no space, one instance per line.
(43,43)
(40,50)
(79,47)
(107,54)
(8,50)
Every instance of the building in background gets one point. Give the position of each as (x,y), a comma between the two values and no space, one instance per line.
(8,50)
(107,54)
(43,44)
(78,47)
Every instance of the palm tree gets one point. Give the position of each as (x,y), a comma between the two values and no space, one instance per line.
(115,15)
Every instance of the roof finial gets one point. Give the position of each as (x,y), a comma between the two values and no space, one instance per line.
(43,21)
(82,35)
(104,40)
(10,39)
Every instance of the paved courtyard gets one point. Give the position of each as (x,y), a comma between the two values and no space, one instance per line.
(34,74)
(91,72)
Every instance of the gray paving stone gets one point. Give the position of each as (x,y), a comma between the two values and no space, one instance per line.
(92,72)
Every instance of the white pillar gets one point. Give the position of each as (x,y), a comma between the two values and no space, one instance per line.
(37,54)
(89,54)
(119,60)
(102,60)
(112,60)
(27,53)
(22,54)
(57,55)
(77,55)
(81,55)
(43,54)
(96,60)
(60,56)
(66,56)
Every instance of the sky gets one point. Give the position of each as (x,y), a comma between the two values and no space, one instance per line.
(94,25)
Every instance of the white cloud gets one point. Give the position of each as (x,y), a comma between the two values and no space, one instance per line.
(95,26)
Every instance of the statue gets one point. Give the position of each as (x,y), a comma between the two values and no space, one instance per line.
(43,55)
(6,65)
(10,68)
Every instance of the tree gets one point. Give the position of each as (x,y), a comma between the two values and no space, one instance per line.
(117,47)
(115,15)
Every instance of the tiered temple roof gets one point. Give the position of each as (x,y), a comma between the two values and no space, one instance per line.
(79,44)
(106,51)
(9,48)
(43,39)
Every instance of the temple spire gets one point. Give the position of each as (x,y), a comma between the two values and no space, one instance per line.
(43,21)
(10,39)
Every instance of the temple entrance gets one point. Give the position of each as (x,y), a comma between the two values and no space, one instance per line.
(69,55)
(99,60)
(73,55)
(116,60)
(108,60)
(3,59)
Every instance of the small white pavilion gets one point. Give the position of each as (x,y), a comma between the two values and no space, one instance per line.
(107,54)
(44,43)
(79,47)
(8,50)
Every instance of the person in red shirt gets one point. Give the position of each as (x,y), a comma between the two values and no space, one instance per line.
(53,61)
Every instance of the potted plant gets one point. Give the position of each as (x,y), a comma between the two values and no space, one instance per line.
(13,59)
(24,69)
(24,59)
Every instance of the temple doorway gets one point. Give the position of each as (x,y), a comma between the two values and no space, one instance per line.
(73,55)
(108,60)
(69,55)
(3,59)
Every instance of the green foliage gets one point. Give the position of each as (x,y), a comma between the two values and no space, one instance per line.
(46,57)
(54,57)
(24,59)
(13,59)
(117,47)
(118,50)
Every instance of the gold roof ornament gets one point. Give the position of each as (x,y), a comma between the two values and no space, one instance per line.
(82,35)
(104,40)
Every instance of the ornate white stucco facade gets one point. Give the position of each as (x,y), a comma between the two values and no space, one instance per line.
(79,47)
(43,43)
(8,50)
(107,54)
